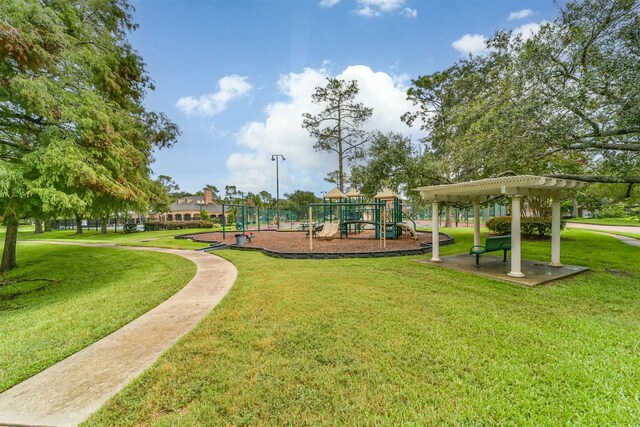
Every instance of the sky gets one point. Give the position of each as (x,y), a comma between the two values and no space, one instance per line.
(237,75)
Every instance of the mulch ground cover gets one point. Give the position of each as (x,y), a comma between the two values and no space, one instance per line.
(298,242)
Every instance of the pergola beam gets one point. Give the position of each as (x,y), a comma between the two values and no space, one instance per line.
(461,198)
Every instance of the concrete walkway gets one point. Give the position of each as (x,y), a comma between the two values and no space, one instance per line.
(602,229)
(71,390)
(624,239)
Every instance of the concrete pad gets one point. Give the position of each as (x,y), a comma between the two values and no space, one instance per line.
(68,392)
(535,272)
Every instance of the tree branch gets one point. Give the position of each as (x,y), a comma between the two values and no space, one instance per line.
(597,178)
(625,146)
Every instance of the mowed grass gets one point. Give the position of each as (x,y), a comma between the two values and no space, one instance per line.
(158,239)
(394,342)
(95,292)
(92,236)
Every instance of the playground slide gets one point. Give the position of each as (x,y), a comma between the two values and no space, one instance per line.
(329,229)
(409,228)
(326,228)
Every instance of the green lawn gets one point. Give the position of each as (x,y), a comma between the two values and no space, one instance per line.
(96,291)
(629,221)
(392,342)
(161,239)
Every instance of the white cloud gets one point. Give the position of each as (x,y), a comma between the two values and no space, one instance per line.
(527,31)
(328,3)
(229,88)
(521,14)
(370,8)
(409,13)
(367,12)
(469,43)
(217,133)
(282,133)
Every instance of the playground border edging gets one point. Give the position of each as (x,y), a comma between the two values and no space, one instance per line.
(343,255)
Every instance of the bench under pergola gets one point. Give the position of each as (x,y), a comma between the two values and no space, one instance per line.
(514,187)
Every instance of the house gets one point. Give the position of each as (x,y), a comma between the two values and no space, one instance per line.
(188,208)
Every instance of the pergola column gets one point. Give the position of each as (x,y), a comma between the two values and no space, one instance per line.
(435,228)
(516,247)
(476,223)
(555,233)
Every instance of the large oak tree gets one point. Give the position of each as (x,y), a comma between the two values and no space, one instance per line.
(565,102)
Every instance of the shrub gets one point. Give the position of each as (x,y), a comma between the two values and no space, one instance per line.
(530,226)
(499,224)
(175,225)
(615,210)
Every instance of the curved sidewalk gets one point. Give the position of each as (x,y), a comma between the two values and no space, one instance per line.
(71,390)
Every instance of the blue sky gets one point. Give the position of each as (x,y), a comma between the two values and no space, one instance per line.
(237,75)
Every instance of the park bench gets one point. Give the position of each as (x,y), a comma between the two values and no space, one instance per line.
(491,244)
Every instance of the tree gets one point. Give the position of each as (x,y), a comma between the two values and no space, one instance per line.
(214,190)
(390,162)
(265,198)
(161,193)
(230,192)
(74,134)
(563,103)
(299,200)
(338,127)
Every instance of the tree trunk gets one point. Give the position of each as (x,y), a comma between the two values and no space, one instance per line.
(447,221)
(47,225)
(38,226)
(103,225)
(78,225)
(9,261)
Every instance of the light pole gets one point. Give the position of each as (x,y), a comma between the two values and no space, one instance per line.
(274,158)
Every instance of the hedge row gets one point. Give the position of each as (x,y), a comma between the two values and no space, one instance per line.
(529,226)
(175,225)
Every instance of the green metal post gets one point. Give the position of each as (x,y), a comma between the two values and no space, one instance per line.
(224,224)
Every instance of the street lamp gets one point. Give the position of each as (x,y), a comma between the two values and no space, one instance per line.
(274,158)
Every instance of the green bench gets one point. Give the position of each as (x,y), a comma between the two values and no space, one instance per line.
(492,244)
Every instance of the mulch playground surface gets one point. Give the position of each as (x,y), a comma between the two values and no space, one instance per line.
(298,242)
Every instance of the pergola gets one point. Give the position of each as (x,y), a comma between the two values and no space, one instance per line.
(512,186)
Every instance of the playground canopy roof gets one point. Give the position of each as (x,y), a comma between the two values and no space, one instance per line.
(353,193)
(386,194)
(335,194)
(481,190)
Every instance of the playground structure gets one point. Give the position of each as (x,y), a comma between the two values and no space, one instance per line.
(243,218)
(341,215)
(338,216)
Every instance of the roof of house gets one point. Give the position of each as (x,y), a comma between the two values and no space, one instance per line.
(194,203)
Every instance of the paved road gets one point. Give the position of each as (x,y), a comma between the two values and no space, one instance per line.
(71,390)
